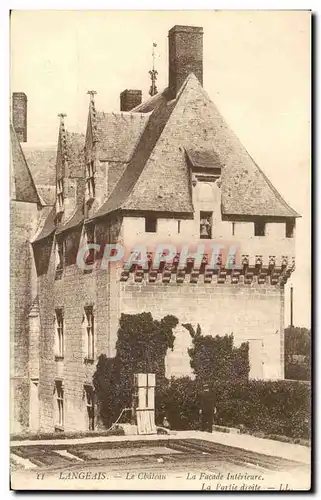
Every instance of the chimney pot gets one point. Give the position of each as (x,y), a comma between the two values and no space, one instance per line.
(19,115)
(129,99)
(185,45)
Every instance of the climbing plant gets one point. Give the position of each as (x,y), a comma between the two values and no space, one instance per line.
(215,358)
(141,347)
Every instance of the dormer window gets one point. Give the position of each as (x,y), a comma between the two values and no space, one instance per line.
(90,180)
(206,225)
(60,195)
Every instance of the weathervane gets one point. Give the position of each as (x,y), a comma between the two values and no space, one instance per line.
(153,74)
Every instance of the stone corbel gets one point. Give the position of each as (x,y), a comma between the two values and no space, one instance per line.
(261,279)
(167,272)
(195,275)
(138,274)
(235,276)
(248,277)
(124,275)
(221,278)
(208,275)
(180,276)
(275,275)
(152,275)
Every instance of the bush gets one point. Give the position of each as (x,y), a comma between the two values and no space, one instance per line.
(272,407)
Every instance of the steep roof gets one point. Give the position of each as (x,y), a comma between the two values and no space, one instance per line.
(22,184)
(157,177)
(118,134)
(41,159)
(74,149)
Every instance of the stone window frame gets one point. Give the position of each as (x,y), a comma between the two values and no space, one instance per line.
(59,323)
(205,215)
(90,238)
(60,404)
(89,332)
(60,256)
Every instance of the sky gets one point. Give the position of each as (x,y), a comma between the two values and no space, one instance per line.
(256,71)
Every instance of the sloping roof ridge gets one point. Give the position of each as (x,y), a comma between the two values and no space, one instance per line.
(26,163)
(266,179)
(106,206)
(273,188)
(132,112)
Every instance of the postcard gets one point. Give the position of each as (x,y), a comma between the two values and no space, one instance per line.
(160,240)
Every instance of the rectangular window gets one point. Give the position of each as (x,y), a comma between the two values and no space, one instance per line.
(289,229)
(90,180)
(90,333)
(206,225)
(90,404)
(259,228)
(150,224)
(60,195)
(178,226)
(60,403)
(233,228)
(59,333)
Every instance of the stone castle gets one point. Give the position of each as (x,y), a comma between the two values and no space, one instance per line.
(168,170)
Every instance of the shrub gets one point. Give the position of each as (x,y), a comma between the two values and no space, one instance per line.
(272,407)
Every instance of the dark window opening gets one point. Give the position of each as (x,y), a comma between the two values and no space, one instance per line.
(259,228)
(150,224)
(178,226)
(90,336)
(60,404)
(289,229)
(206,225)
(233,228)
(90,240)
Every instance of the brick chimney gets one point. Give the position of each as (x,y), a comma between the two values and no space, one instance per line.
(19,115)
(185,45)
(129,99)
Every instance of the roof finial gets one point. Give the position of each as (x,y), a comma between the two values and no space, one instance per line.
(62,117)
(92,94)
(153,74)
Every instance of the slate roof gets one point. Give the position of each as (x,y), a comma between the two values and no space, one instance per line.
(22,184)
(118,134)
(41,160)
(46,224)
(157,176)
(74,149)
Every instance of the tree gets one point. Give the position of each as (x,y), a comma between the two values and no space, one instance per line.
(141,347)
(216,358)
(297,353)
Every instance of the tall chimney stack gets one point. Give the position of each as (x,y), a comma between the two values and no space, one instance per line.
(129,99)
(19,115)
(185,44)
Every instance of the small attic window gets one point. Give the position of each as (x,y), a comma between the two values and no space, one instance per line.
(289,229)
(259,228)
(150,224)
(206,225)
